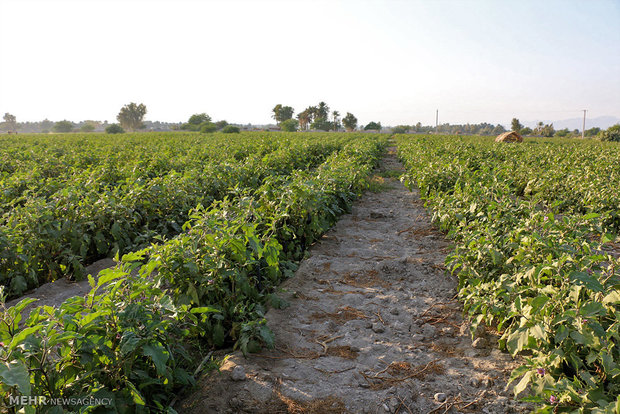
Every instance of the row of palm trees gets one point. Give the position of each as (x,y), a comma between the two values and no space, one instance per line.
(320,112)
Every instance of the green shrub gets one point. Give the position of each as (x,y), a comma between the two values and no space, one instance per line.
(230,129)
(115,129)
(290,125)
(611,134)
(208,127)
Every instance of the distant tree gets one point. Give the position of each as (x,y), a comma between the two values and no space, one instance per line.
(400,129)
(322,110)
(313,113)
(563,132)
(196,122)
(206,127)
(63,126)
(282,113)
(499,130)
(131,115)
(373,126)
(547,131)
(290,125)
(611,134)
(198,119)
(304,118)
(231,129)
(46,125)
(349,122)
(321,124)
(336,120)
(220,124)
(87,127)
(592,132)
(526,131)
(10,122)
(114,129)
(515,125)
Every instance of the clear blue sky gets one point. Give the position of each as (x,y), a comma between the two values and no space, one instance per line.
(388,61)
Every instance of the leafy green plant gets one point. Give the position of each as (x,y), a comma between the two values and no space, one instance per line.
(534,232)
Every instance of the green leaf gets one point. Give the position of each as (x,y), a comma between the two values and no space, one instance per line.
(204,309)
(135,394)
(537,332)
(267,336)
(22,305)
(591,309)
(517,340)
(587,280)
(218,335)
(590,216)
(159,356)
(612,298)
(16,375)
(520,387)
(22,335)
(108,275)
(538,302)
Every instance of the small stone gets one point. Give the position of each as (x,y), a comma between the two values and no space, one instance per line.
(417,338)
(447,330)
(429,330)
(355,348)
(235,402)
(479,343)
(376,215)
(378,328)
(474,382)
(440,397)
(386,408)
(394,311)
(487,382)
(238,373)
(368,325)
(393,403)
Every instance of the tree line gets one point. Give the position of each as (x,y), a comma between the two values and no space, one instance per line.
(547,130)
(317,117)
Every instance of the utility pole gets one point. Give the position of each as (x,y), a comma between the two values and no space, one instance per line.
(583,128)
(436,120)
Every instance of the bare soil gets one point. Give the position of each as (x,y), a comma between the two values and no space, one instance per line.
(373,326)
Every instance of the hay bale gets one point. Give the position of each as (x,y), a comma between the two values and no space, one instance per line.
(510,136)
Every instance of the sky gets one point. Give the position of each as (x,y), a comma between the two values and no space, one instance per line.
(391,61)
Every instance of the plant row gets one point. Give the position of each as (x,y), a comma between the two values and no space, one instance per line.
(134,337)
(536,252)
(44,238)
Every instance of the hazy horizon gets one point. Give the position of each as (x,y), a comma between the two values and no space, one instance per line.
(395,62)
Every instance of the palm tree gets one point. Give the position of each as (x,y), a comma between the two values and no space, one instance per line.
(322,110)
(304,118)
(336,116)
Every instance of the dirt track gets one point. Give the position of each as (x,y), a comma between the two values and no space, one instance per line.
(372,327)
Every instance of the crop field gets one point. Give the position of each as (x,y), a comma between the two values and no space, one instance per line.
(205,227)
(229,219)
(69,200)
(534,228)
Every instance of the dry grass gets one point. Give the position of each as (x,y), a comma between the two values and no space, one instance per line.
(446,350)
(281,404)
(343,351)
(341,315)
(401,371)
(364,280)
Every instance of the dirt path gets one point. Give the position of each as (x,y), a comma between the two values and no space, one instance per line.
(372,327)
